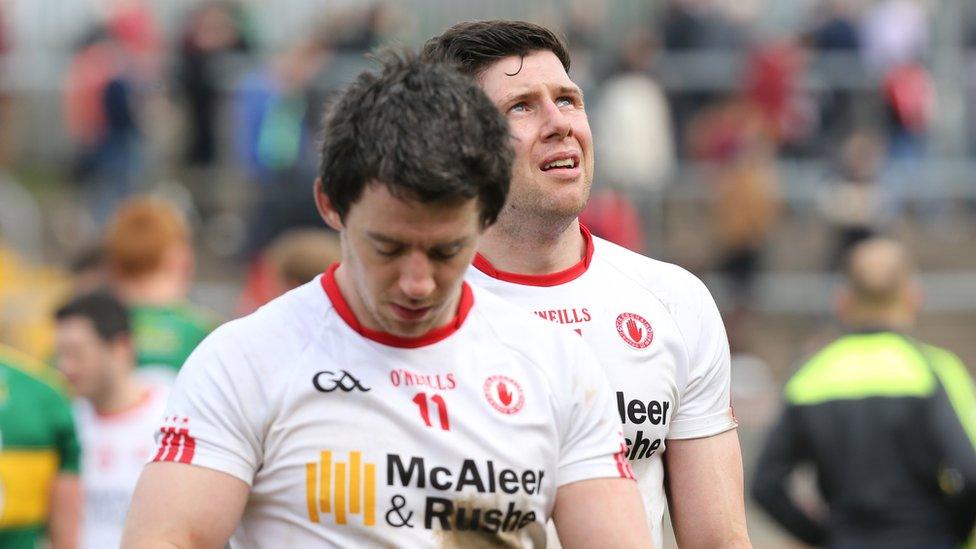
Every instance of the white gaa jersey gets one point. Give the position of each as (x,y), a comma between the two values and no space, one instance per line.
(350,437)
(659,336)
(115,448)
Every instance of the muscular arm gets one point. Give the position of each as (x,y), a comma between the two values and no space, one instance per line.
(603,512)
(704,482)
(184,506)
(65,511)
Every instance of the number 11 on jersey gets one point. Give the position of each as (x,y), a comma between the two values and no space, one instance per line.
(420,399)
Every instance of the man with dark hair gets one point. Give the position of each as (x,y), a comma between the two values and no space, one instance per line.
(116,413)
(654,326)
(387,402)
(887,422)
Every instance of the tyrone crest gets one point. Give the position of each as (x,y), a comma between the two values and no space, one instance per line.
(634,330)
(504,394)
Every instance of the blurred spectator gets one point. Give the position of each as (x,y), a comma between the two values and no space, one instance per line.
(359,31)
(133,25)
(39,457)
(837,33)
(717,134)
(211,32)
(852,203)
(632,122)
(772,84)
(888,423)
(100,104)
(611,215)
(695,27)
(277,116)
(745,208)
(150,264)
(909,95)
(698,25)
(292,259)
(894,32)
(116,413)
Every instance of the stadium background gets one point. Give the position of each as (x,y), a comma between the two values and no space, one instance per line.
(746,141)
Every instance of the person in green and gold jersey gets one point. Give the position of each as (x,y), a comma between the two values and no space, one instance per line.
(150,265)
(39,457)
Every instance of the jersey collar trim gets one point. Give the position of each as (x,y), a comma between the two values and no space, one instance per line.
(552,279)
(437,334)
(144,399)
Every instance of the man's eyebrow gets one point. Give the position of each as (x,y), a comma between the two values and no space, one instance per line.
(382,238)
(527,94)
(391,240)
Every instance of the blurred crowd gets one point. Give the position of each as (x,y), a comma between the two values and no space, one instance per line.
(210,112)
(197,142)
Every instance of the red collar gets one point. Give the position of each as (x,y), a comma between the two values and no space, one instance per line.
(552,279)
(437,334)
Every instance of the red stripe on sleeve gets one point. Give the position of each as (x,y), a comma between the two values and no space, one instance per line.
(174,445)
(623,466)
(189,446)
(164,442)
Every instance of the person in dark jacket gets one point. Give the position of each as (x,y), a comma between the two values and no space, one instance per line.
(887,422)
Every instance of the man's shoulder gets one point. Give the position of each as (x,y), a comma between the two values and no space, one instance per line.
(30,374)
(669,281)
(515,325)
(276,327)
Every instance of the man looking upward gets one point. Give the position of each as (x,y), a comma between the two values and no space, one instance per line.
(387,403)
(654,326)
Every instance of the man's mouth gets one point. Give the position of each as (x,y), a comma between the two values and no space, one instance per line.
(561,164)
(410,314)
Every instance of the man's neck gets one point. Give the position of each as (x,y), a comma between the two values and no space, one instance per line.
(123,395)
(154,289)
(533,250)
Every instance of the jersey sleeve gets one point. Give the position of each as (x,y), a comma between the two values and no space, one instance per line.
(216,410)
(705,408)
(592,440)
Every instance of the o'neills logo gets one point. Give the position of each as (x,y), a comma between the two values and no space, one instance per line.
(634,330)
(504,394)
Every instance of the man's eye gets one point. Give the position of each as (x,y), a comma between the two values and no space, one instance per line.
(565,102)
(388,252)
(446,253)
(519,107)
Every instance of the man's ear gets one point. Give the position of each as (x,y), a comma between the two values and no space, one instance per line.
(328,212)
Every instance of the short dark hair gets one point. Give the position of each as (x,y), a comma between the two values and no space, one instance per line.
(109,316)
(475,45)
(423,130)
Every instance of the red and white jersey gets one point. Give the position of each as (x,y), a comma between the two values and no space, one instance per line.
(351,437)
(659,336)
(115,448)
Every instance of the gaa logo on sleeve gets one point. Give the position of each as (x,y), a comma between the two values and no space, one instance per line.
(504,394)
(634,330)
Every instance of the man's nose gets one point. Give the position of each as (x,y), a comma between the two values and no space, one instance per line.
(556,123)
(417,276)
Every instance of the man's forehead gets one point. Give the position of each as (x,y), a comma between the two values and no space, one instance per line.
(76,324)
(523,73)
